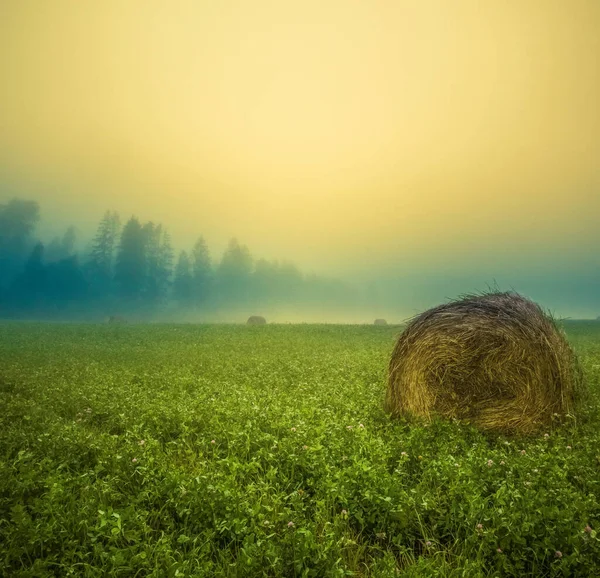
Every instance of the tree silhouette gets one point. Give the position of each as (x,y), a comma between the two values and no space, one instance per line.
(18,220)
(165,265)
(130,268)
(61,247)
(183,287)
(135,269)
(159,263)
(65,282)
(100,266)
(29,287)
(277,283)
(234,274)
(201,273)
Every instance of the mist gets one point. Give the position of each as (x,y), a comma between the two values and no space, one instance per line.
(397,154)
(131,268)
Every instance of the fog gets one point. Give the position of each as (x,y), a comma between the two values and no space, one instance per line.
(397,154)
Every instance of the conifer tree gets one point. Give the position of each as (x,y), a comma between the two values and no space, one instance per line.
(100,265)
(131,265)
(201,272)
(183,288)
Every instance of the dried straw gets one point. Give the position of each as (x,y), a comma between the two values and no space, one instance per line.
(256,320)
(495,360)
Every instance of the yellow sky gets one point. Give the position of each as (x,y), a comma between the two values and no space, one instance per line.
(322,131)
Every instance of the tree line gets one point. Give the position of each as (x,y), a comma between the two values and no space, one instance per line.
(132,267)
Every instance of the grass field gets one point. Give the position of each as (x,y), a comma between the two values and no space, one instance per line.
(215,450)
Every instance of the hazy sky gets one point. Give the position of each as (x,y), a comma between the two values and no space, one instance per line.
(381,136)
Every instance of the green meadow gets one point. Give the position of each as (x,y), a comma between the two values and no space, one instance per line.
(224,450)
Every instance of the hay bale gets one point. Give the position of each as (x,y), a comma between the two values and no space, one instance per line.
(495,360)
(117,319)
(380,322)
(256,320)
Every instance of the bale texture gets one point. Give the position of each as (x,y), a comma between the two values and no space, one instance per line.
(380,322)
(256,320)
(495,360)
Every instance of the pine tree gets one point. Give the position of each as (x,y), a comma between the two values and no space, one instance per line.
(165,265)
(151,234)
(65,282)
(18,220)
(159,258)
(100,264)
(29,287)
(61,247)
(131,264)
(201,272)
(183,282)
(234,273)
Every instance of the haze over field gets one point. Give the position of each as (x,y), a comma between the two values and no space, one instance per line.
(417,149)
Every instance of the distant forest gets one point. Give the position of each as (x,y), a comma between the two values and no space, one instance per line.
(131,268)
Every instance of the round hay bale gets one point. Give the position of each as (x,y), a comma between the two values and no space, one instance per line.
(495,360)
(256,320)
(117,319)
(380,322)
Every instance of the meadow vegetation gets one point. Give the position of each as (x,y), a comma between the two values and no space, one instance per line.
(224,450)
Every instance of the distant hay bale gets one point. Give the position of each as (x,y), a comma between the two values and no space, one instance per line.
(380,322)
(256,320)
(495,360)
(117,319)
